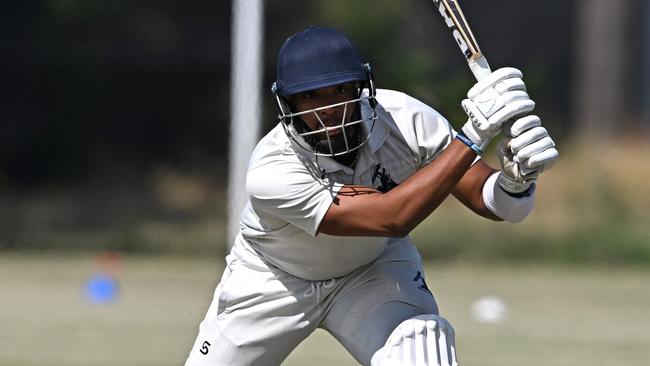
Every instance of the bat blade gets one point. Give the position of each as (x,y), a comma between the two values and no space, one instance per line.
(457,23)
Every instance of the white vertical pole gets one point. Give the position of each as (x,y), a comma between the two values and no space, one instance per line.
(245,103)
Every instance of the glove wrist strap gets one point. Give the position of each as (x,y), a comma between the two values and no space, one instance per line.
(513,188)
(465,140)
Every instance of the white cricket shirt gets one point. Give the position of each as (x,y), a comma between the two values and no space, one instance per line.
(290,191)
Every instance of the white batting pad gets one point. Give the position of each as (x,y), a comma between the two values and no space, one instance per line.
(424,340)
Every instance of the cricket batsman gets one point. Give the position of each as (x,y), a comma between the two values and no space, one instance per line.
(334,191)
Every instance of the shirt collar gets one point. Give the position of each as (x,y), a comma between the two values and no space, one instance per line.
(380,131)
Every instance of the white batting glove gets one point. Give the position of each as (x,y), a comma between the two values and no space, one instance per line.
(524,155)
(492,101)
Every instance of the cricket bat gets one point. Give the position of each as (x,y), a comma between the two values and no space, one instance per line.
(462,33)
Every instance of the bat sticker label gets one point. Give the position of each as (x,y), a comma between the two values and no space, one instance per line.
(462,43)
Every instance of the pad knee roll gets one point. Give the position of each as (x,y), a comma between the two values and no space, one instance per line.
(424,340)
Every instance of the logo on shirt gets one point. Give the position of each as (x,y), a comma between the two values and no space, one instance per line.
(387,183)
(204,348)
(423,286)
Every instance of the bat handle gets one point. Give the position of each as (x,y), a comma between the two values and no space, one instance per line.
(480,68)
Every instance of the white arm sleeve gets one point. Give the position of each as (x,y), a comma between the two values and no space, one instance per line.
(511,209)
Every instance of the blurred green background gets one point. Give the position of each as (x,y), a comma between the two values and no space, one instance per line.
(113,138)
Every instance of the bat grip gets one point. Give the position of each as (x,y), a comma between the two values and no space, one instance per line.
(480,67)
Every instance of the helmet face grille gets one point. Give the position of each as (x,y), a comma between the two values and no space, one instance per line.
(350,134)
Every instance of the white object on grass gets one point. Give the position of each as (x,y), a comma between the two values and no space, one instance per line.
(489,309)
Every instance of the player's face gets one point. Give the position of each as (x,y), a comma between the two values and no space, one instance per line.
(330,117)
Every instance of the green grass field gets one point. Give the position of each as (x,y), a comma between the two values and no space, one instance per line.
(557,315)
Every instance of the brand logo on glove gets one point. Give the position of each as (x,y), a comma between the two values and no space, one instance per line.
(473,118)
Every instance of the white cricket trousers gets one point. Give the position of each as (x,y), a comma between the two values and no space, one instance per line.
(260,313)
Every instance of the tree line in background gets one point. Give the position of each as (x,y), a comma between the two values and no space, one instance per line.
(91,87)
(115,116)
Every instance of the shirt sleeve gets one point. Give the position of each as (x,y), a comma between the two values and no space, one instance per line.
(288,191)
(426,131)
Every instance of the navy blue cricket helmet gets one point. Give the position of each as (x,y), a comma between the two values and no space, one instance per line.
(317,58)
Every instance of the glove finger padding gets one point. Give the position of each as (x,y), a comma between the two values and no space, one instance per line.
(506,158)
(524,124)
(527,138)
(510,84)
(512,95)
(490,101)
(543,160)
(535,148)
(491,80)
(511,110)
(514,177)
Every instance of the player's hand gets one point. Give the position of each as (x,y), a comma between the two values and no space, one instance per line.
(492,101)
(524,155)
